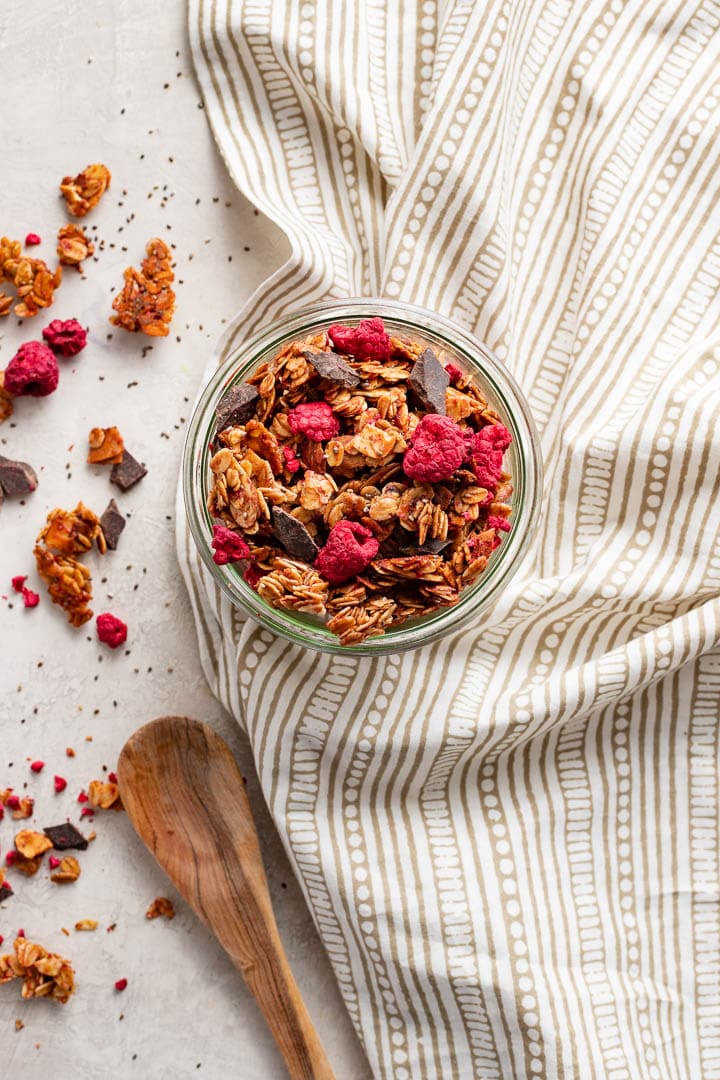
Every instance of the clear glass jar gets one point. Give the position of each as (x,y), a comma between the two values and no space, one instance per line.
(452,343)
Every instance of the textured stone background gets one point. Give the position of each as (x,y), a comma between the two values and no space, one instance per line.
(111,82)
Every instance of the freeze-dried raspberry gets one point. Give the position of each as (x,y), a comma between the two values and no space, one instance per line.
(111,630)
(291,461)
(501,523)
(18,582)
(252,575)
(32,239)
(60,783)
(437,449)
(121,984)
(33,370)
(30,598)
(66,337)
(454,372)
(228,546)
(349,549)
(53,861)
(37,766)
(366,341)
(315,419)
(486,453)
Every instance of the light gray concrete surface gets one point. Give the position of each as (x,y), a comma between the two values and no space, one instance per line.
(113,82)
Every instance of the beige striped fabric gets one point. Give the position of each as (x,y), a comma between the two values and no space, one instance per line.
(508,840)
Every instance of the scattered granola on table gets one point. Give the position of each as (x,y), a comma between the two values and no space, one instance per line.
(44,974)
(161,906)
(73,246)
(84,191)
(67,872)
(105,794)
(66,534)
(106,446)
(146,301)
(34,282)
(359,479)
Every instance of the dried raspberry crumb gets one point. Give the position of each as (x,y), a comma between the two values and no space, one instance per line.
(366,341)
(228,546)
(1,939)
(13,802)
(66,337)
(252,575)
(437,449)
(20,933)
(82,797)
(314,419)
(30,598)
(37,766)
(53,862)
(18,581)
(486,453)
(2,811)
(111,630)
(121,984)
(291,461)
(454,372)
(32,240)
(33,371)
(501,523)
(349,549)
(10,858)
(87,811)
(112,777)
(60,783)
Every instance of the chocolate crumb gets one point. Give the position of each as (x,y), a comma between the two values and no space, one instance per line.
(332,367)
(127,472)
(65,836)
(112,523)
(293,535)
(16,477)
(236,406)
(429,380)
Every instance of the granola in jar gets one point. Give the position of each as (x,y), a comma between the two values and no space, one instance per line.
(359,477)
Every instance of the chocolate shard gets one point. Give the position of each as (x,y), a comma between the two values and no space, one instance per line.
(236,406)
(430,547)
(112,524)
(293,536)
(127,472)
(332,367)
(5,891)
(65,836)
(16,477)
(429,380)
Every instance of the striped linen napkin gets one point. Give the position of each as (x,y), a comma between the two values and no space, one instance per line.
(508,840)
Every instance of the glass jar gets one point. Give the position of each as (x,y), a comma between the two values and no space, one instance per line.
(452,343)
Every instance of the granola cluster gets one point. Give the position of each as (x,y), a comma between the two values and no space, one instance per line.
(146,301)
(65,535)
(84,191)
(362,479)
(44,974)
(34,282)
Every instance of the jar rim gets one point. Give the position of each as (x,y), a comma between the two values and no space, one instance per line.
(503,393)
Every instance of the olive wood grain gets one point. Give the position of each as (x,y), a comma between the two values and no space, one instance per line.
(186,799)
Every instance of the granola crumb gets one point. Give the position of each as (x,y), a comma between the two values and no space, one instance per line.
(161,906)
(44,974)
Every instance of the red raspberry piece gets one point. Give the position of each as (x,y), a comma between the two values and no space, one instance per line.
(2,811)
(32,239)
(112,777)
(87,811)
(111,630)
(252,575)
(65,337)
(10,858)
(501,523)
(30,598)
(291,461)
(121,984)
(437,449)
(18,581)
(33,371)
(228,546)
(37,766)
(486,453)
(54,862)
(82,797)
(454,372)
(60,783)
(13,802)
(349,549)
(315,419)
(366,341)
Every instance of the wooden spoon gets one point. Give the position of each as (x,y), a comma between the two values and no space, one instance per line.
(186,799)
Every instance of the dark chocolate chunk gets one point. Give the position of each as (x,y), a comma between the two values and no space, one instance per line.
(65,836)
(430,547)
(127,472)
(112,524)
(236,406)
(293,536)
(429,380)
(5,891)
(332,367)
(16,477)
